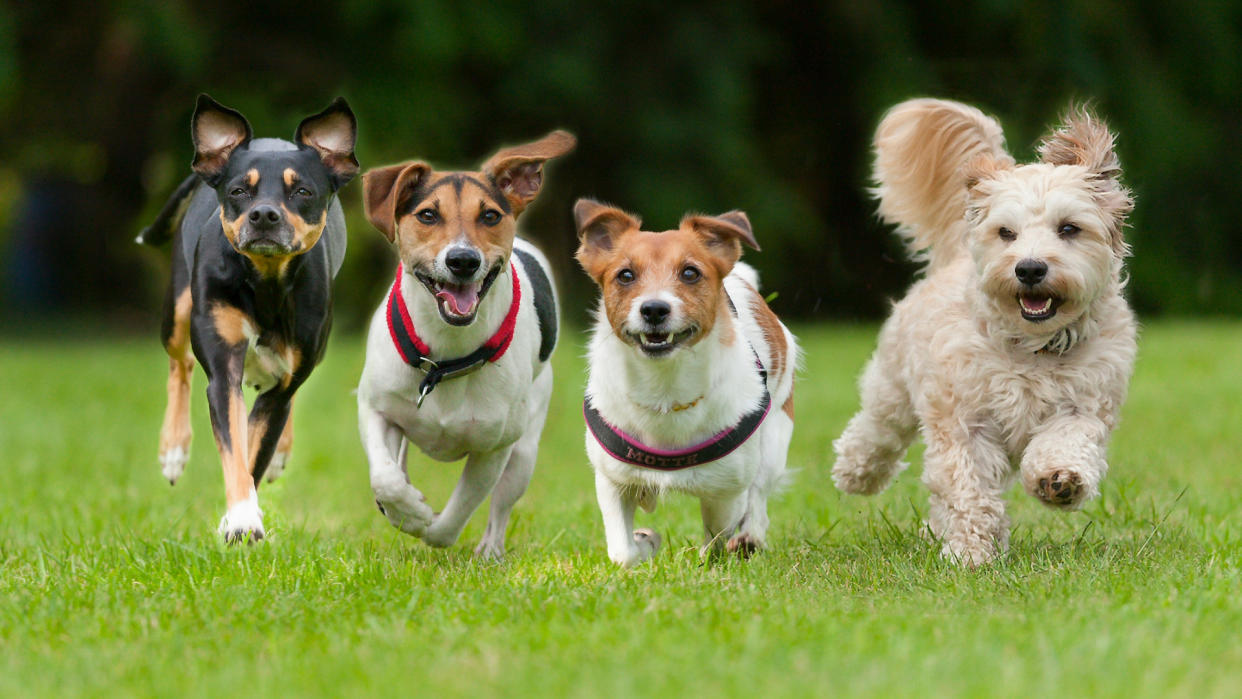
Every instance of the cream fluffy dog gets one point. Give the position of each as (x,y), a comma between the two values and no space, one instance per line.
(1014,353)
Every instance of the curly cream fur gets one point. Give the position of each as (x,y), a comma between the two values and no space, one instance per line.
(995,395)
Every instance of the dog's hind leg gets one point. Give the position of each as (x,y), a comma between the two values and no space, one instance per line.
(176,432)
(752,533)
(280,457)
(478,478)
(869,451)
(517,473)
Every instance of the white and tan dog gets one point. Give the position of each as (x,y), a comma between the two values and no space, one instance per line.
(691,378)
(457,355)
(1014,353)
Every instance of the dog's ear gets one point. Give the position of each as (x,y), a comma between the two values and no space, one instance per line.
(332,133)
(1083,139)
(386,191)
(599,226)
(518,171)
(723,234)
(979,173)
(216,131)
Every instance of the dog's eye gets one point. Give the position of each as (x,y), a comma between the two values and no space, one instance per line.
(1006,234)
(1068,230)
(626,276)
(427,216)
(303,192)
(690,274)
(237,192)
(490,217)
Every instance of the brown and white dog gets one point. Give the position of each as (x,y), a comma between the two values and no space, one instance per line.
(691,378)
(457,355)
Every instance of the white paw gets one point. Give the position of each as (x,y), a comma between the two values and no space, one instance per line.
(243,521)
(276,466)
(490,550)
(440,536)
(404,506)
(172,463)
(646,543)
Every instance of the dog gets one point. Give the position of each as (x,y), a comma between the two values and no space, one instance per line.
(258,236)
(1013,354)
(457,354)
(686,363)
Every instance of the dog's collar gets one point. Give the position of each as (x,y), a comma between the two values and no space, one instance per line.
(623,447)
(1063,341)
(415,352)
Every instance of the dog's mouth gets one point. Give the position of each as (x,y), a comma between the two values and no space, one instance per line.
(660,344)
(459,303)
(1037,307)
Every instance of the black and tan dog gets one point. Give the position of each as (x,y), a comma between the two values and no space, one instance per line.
(258,237)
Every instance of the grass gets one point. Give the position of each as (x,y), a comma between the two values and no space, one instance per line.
(111,581)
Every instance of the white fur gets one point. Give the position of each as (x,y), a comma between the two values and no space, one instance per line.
(172,463)
(957,362)
(635,393)
(492,417)
(243,521)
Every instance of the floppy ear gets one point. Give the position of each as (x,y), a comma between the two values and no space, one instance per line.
(979,173)
(518,171)
(333,133)
(723,234)
(386,190)
(1083,139)
(599,226)
(216,131)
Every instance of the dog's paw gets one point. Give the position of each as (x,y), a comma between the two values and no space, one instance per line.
(243,522)
(862,470)
(172,463)
(744,545)
(276,466)
(1061,489)
(405,507)
(973,555)
(490,551)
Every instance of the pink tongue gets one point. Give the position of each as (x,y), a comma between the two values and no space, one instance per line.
(461,299)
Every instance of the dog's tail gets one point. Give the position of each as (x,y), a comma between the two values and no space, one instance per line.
(921,147)
(169,218)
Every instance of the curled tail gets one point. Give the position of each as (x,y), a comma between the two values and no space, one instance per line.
(169,218)
(921,146)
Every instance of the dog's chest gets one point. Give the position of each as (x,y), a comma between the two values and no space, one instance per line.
(469,414)
(267,363)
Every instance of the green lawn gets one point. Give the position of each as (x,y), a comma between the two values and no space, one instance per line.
(111,580)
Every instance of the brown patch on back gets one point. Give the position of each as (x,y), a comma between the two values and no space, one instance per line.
(252,177)
(772,331)
(230,323)
(291,176)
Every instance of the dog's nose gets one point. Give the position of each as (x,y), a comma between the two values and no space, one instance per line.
(1031,272)
(264,216)
(463,262)
(654,312)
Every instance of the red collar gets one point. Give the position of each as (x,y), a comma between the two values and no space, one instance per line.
(415,352)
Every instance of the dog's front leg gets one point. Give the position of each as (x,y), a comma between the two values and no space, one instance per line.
(477,480)
(967,471)
(721,516)
(626,546)
(243,520)
(268,420)
(1064,462)
(404,506)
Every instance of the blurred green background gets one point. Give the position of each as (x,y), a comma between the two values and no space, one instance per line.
(705,106)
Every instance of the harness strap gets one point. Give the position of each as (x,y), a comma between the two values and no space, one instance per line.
(415,352)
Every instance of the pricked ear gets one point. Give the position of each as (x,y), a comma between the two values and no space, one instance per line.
(599,226)
(1083,139)
(723,234)
(518,171)
(216,132)
(333,133)
(386,190)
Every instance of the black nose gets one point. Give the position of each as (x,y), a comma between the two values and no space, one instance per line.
(463,262)
(1031,272)
(264,216)
(654,312)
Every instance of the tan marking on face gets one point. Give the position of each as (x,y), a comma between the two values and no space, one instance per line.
(291,176)
(252,177)
(232,229)
(460,219)
(657,260)
(772,331)
(230,323)
(305,234)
